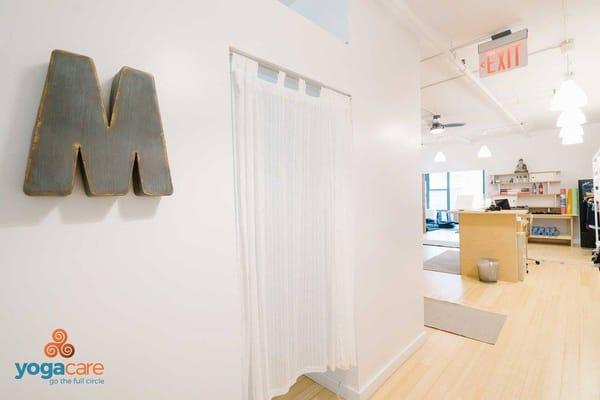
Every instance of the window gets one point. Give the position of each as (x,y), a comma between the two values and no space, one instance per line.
(469,183)
(437,190)
(331,15)
(443,188)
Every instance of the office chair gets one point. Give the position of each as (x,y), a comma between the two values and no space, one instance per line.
(527,228)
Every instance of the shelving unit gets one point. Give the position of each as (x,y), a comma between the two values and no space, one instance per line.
(566,237)
(519,186)
(518,189)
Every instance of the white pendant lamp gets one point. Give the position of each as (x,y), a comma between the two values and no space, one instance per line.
(572,140)
(570,117)
(571,131)
(439,157)
(571,134)
(572,95)
(568,96)
(484,152)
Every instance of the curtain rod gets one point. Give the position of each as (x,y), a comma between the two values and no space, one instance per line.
(287,71)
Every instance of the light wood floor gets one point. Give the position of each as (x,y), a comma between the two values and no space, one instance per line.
(307,389)
(549,347)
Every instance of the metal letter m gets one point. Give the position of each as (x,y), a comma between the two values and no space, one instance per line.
(72,126)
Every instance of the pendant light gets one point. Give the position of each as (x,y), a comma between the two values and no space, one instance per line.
(567,140)
(569,117)
(570,131)
(568,96)
(572,134)
(439,157)
(484,152)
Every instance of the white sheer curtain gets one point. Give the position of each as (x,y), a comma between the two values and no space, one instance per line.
(292,169)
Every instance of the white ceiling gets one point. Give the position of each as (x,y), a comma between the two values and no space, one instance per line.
(525,92)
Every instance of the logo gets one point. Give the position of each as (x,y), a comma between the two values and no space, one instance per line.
(59,345)
(59,373)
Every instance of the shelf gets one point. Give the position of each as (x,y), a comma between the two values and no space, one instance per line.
(523,194)
(523,183)
(559,237)
(552,216)
(511,174)
(544,177)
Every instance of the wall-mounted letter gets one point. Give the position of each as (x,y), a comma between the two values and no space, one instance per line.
(126,148)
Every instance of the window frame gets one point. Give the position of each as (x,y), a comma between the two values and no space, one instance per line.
(447,189)
(428,189)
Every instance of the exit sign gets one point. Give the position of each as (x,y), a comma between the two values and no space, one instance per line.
(503,54)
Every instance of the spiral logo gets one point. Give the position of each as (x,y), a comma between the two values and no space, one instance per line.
(59,345)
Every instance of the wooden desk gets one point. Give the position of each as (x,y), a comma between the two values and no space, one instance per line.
(491,235)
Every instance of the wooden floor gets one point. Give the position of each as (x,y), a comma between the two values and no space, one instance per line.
(549,347)
(306,389)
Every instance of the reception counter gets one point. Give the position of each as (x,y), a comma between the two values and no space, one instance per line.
(493,234)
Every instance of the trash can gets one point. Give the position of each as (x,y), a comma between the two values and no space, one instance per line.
(488,269)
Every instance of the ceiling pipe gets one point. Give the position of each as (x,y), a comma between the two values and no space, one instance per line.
(439,44)
(558,46)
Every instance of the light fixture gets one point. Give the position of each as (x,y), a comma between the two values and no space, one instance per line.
(572,140)
(571,131)
(568,96)
(484,152)
(572,116)
(439,157)
(436,128)
(572,95)
(572,134)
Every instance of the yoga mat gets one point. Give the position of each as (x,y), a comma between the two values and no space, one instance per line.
(448,262)
(469,322)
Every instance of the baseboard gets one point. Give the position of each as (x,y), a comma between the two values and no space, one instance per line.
(377,380)
(348,392)
(330,381)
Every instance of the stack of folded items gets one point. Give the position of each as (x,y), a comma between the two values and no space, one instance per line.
(545,231)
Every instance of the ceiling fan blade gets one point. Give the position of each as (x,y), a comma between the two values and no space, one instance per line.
(454,125)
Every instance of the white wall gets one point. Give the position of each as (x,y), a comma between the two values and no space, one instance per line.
(150,287)
(542,151)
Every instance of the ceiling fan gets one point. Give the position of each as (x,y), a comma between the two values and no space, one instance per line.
(437,127)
